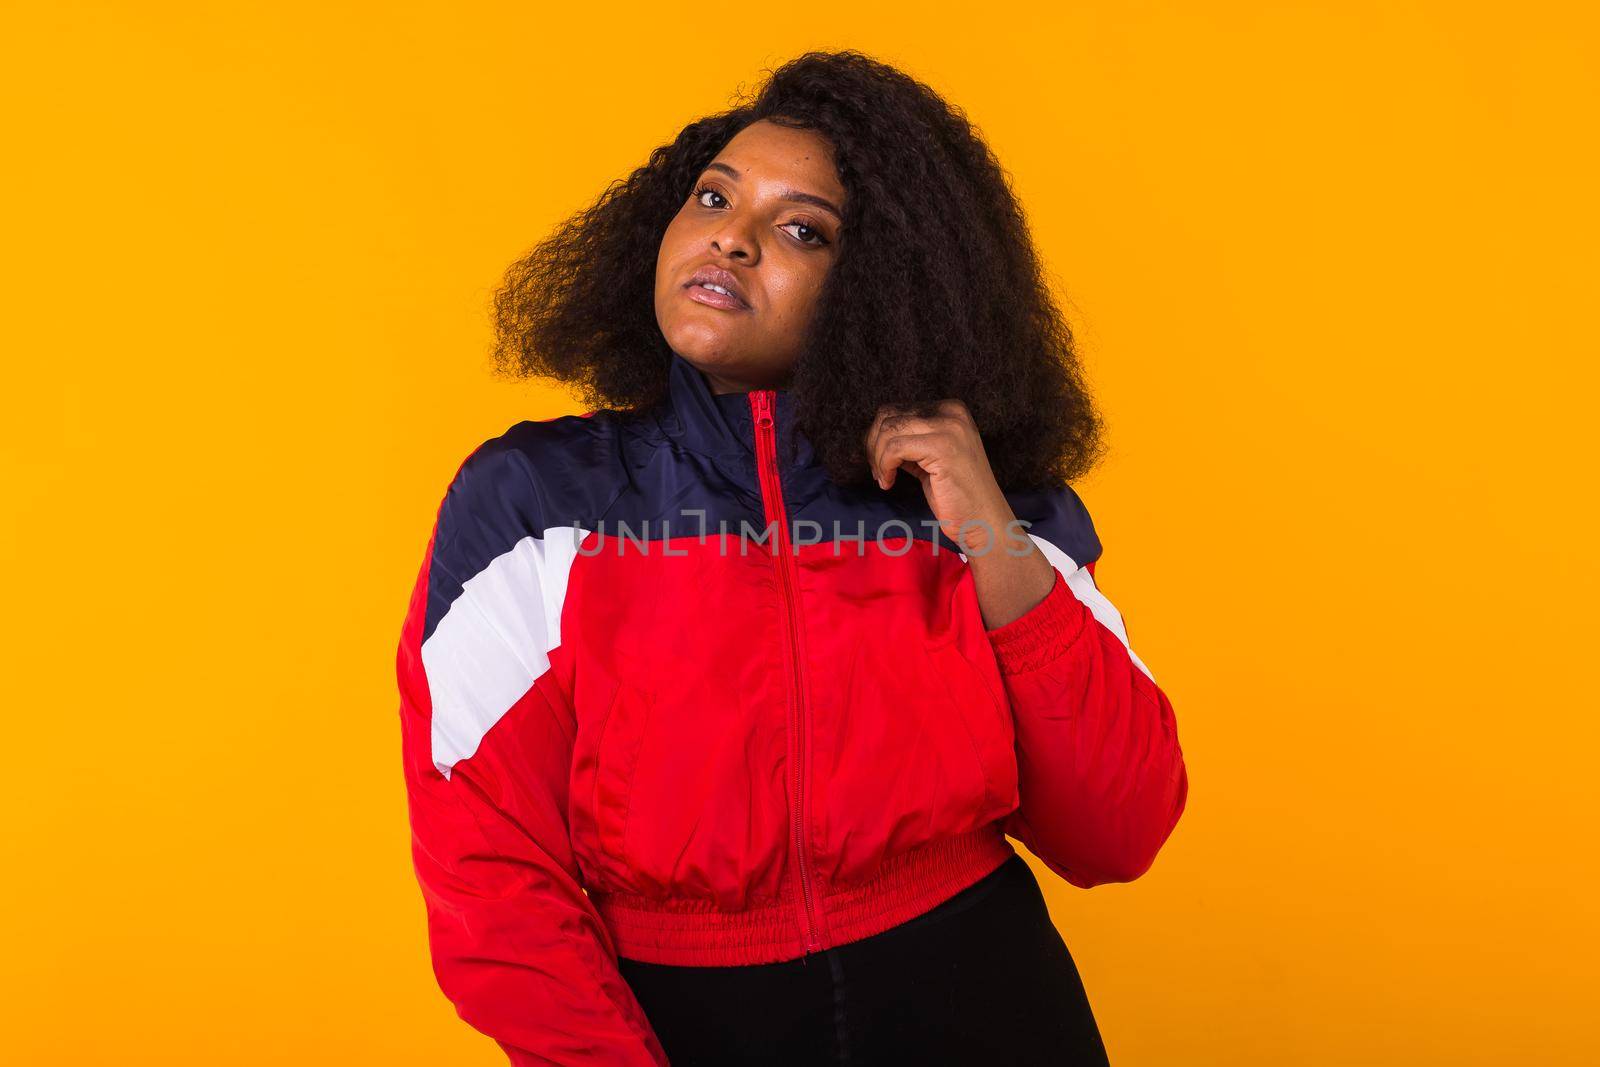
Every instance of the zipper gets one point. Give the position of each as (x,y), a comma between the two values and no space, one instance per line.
(761,403)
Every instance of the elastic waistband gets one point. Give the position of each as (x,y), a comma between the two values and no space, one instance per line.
(694,933)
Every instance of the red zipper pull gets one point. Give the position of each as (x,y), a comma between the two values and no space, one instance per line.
(763,402)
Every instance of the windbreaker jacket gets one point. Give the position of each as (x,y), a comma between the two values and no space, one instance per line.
(669,692)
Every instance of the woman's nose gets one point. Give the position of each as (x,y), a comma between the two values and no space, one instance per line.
(734,239)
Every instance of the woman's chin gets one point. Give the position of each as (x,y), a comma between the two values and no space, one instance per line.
(704,345)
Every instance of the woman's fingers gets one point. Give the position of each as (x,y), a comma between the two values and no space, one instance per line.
(911,450)
(874,441)
(892,423)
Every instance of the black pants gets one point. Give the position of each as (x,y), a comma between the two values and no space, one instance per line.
(982,979)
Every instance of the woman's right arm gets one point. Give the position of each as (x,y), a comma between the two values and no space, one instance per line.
(486,736)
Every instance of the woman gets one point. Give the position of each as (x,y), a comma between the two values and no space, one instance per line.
(720,699)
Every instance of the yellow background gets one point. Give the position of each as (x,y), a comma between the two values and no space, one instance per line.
(1332,268)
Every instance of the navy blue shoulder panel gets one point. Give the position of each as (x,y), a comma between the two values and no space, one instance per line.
(535,475)
(1059,516)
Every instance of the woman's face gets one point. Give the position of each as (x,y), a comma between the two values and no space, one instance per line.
(763,220)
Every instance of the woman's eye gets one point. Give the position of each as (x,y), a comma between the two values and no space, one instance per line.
(702,191)
(820,240)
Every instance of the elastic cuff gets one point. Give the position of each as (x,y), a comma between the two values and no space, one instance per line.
(1042,633)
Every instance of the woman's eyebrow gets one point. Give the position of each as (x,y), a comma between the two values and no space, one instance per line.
(793,195)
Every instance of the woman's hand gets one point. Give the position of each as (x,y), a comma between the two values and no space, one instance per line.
(945,453)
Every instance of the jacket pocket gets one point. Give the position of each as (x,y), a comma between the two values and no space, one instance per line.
(616,762)
(982,710)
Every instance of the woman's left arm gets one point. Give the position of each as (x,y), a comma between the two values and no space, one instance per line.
(1101,776)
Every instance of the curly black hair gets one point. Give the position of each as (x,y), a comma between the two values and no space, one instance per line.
(937,290)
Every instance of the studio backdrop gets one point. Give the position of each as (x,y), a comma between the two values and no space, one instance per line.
(1328,266)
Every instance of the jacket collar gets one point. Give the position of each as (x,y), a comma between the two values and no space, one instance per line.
(720,425)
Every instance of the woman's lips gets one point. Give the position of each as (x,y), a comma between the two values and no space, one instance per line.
(712,298)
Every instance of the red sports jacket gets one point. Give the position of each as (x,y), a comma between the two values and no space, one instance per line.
(669,692)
